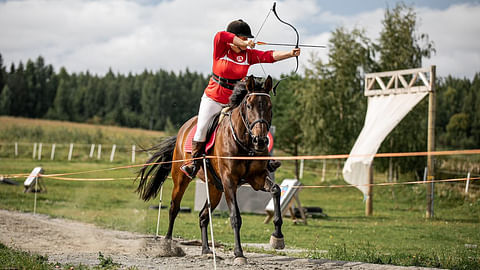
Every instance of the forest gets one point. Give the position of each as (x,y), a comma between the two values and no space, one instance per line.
(319,111)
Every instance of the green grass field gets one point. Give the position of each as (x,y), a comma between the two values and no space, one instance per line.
(397,233)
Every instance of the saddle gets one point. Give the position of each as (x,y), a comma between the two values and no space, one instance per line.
(212,131)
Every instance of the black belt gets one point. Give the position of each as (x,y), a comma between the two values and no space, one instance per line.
(227,83)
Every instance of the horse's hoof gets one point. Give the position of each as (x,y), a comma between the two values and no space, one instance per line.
(207,253)
(240,261)
(277,243)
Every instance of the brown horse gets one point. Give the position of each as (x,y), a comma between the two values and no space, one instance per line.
(242,132)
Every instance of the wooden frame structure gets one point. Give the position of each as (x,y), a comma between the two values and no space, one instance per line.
(406,82)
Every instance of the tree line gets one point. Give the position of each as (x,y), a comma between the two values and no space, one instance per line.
(325,109)
(321,111)
(153,100)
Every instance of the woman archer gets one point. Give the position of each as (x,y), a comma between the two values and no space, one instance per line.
(231,60)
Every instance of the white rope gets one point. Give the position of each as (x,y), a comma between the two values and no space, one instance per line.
(159,207)
(209,214)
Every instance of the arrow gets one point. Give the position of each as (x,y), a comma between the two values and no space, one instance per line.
(285,44)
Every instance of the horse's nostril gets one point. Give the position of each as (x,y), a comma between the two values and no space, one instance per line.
(265,140)
(255,140)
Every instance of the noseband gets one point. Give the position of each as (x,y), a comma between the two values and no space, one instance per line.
(248,126)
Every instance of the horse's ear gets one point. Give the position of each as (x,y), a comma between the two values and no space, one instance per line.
(268,84)
(250,83)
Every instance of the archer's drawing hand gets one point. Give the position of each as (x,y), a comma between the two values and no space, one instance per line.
(251,43)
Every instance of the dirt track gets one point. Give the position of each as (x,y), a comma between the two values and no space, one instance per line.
(73,242)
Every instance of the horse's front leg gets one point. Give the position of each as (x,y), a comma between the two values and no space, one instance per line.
(235,221)
(204,219)
(276,240)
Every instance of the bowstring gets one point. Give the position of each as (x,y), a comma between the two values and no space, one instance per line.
(255,38)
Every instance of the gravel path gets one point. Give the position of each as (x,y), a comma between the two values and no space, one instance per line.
(66,241)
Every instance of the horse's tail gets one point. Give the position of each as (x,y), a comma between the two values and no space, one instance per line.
(152,176)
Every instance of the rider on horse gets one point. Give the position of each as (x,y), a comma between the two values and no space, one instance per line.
(231,61)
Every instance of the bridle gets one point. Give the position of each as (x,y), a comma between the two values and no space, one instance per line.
(248,125)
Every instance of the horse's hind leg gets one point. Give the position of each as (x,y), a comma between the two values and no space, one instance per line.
(180,184)
(204,218)
(276,240)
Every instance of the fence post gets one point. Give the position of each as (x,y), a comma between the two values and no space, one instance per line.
(52,156)
(34,150)
(40,151)
(302,163)
(16,149)
(369,199)
(431,142)
(92,149)
(112,155)
(70,152)
(324,169)
(133,153)
(468,183)
(99,154)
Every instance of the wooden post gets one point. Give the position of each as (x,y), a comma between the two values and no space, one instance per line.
(34,150)
(40,151)
(133,153)
(431,142)
(92,149)
(99,151)
(52,155)
(112,154)
(467,184)
(70,152)
(302,163)
(16,149)
(324,169)
(369,199)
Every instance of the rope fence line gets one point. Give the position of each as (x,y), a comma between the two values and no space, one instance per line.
(102,170)
(344,156)
(301,187)
(338,156)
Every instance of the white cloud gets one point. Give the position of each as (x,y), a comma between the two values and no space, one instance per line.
(456,34)
(173,35)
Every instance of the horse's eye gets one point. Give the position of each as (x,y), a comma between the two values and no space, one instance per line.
(249,106)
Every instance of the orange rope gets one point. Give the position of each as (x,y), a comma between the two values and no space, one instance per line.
(339,156)
(300,187)
(343,156)
(392,183)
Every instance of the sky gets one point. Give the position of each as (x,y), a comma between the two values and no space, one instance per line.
(133,36)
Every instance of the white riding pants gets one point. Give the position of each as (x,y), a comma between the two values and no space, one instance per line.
(208,108)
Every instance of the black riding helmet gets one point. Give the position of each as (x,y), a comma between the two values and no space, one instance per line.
(240,28)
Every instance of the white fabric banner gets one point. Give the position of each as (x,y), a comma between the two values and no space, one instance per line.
(383,114)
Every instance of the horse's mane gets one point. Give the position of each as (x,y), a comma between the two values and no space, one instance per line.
(240,91)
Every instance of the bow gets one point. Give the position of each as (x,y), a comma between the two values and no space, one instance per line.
(296,43)
(296,32)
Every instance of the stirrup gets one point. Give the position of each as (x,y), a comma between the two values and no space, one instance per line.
(183,168)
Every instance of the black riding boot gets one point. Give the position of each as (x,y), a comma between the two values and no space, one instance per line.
(191,168)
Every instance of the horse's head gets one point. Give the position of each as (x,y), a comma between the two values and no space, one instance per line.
(257,111)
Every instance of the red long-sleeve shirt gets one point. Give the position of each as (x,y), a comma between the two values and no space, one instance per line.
(231,65)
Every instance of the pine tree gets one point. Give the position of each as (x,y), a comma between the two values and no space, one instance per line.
(6,98)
